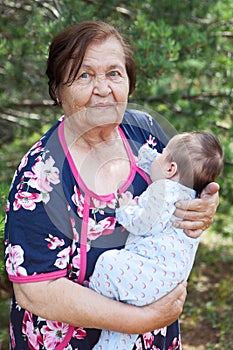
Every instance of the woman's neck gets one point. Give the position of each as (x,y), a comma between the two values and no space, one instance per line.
(101,136)
(92,138)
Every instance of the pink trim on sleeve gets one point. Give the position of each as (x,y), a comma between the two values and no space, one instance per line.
(38,277)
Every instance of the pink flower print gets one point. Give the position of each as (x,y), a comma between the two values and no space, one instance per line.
(32,332)
(75,236)
(78,200)
(53,334)
(126,199)
(26,200)
(148,339)
(79,333)
(20,184)
(151,141)
(138,344)
(75,233)
(43,173)
(175,344)
(37,148)
(98,204)
(112,203)
(7,206)
(63,258)
(163,331)
(12,336)
(69,347)
(76,259)
(15,259)
(54,242)
(103,227)
(23,162)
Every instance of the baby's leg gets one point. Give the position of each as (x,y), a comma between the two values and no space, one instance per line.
(118,275)
(104,279)
(131,278)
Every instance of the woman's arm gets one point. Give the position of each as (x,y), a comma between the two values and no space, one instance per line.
(65,301)
(198,214)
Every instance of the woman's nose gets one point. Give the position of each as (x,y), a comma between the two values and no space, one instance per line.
(102,85)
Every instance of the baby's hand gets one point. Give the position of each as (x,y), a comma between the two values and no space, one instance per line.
(126,199)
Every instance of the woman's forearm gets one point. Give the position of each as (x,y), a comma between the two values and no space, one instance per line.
(65,301)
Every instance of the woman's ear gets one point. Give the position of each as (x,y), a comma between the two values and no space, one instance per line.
(171,170)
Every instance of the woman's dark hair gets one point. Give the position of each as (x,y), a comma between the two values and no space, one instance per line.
(68,49)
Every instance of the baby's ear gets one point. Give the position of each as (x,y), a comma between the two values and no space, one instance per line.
(171,170)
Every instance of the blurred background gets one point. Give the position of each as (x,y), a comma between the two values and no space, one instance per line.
(184,56)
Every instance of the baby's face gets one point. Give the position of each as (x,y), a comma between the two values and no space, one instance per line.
(159,166)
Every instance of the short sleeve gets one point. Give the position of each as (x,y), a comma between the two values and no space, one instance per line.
(37,245)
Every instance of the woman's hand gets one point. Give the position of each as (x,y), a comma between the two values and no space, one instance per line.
(165,311)
(198,214)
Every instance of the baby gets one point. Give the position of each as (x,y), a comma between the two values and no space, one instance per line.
(157,256)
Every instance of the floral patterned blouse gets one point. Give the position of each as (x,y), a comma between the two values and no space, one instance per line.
(56,227)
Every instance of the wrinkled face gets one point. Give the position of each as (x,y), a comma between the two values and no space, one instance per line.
(160,166)
(100,92)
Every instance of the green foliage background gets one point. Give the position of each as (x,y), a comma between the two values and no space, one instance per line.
(183,51)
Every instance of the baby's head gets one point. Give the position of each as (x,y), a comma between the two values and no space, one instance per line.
(194,159)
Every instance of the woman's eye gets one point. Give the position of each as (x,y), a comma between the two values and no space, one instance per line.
(84,76)
(114,73)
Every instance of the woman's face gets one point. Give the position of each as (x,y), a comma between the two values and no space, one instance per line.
(99,94)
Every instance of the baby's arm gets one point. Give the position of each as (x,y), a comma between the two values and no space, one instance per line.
(146,155)
(151,211)
(125,200)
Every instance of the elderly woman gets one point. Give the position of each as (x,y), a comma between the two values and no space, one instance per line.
(61,208)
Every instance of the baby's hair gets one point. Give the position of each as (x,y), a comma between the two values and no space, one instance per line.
(199,158)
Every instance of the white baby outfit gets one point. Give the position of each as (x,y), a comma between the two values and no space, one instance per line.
(157,256)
